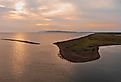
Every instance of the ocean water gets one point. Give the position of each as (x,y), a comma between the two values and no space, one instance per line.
(22,62)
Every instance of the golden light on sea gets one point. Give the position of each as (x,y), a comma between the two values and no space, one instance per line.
(18,58)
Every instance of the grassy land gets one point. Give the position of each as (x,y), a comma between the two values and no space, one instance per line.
(86,48)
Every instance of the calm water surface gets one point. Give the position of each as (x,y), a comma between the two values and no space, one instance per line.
(21,62)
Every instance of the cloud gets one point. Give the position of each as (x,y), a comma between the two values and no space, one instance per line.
(4,9)
(60,9)
(64,14)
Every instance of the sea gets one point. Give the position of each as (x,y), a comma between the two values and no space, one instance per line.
(23,62)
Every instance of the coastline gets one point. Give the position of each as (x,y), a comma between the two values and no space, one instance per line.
(86,48)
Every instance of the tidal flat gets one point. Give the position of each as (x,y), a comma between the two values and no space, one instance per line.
(86,48)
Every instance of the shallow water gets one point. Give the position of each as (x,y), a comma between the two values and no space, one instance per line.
(22,62)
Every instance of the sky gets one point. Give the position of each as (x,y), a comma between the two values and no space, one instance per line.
(69,15)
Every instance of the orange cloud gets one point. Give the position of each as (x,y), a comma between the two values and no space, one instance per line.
(60,9)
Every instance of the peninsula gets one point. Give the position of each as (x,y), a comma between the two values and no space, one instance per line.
(86,48)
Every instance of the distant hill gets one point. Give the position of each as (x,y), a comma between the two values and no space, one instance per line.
(58,31)
(63,31)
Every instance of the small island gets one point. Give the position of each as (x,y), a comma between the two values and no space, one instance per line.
(86,48)
(23,41)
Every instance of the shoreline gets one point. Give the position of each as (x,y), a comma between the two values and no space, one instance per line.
(86,48)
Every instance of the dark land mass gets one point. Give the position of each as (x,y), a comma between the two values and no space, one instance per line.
(86,48)
(22,41)
(62,31)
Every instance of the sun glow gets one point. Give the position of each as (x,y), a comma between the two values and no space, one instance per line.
(19,7)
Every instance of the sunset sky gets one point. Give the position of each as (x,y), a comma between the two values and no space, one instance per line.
(73,15)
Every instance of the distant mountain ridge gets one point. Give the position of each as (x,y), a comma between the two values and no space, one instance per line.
(83,32)
(63,31)
(57,31)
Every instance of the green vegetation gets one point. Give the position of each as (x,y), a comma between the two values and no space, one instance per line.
(86,48)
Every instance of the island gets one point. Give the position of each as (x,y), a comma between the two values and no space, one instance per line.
(86,48)
(23,41)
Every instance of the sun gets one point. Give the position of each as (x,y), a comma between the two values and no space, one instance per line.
(19,7)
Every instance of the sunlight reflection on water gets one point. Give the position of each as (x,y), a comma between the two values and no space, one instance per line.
(18,56)
(21,62)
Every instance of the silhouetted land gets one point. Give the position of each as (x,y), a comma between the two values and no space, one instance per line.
(30,42)
(62,31)
(86,48)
